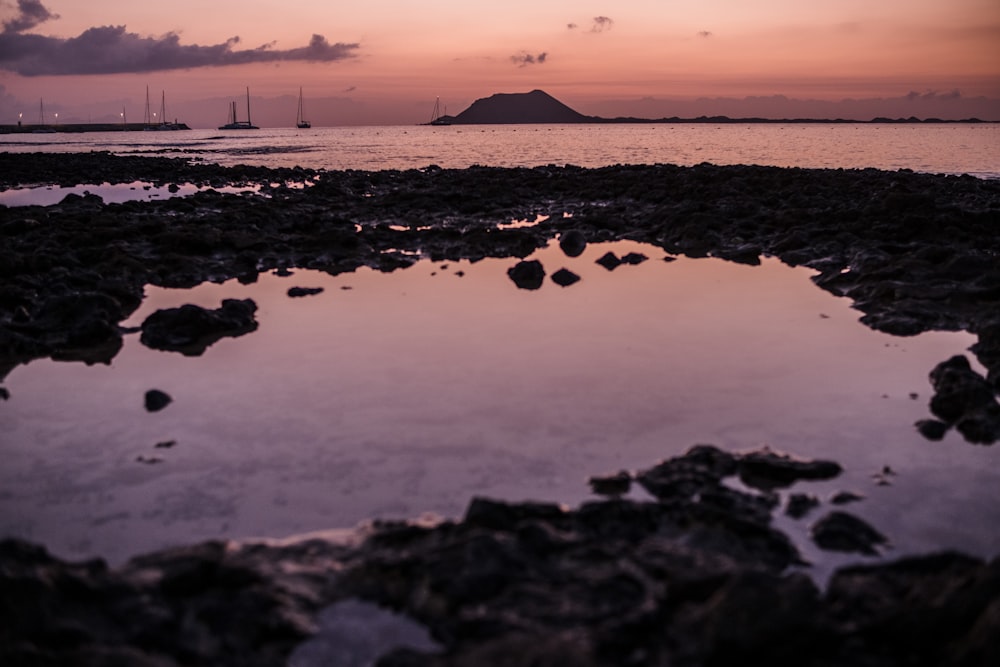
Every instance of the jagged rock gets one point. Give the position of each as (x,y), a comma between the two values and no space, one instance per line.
(611,485)
(527,274)
(564,277)
(155,400)
(965,399)
(932,429)
(191,329)
(840,531)
(800,504)
(609,261)
(303,291)
(766,469)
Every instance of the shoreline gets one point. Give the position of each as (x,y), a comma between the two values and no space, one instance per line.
(699,575)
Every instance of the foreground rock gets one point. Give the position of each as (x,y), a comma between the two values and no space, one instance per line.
(698,577)
(191,329)
(964,399)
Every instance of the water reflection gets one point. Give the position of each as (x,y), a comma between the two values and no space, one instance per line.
(396,394)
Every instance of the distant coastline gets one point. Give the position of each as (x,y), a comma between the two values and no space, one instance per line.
(88,127)
(596,120)
(540,107)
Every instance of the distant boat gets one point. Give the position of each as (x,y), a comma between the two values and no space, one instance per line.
(300,121)
(436,117)
(150,122)
(42,127)
(234,124)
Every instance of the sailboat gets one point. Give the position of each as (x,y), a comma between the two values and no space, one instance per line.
(42,127)
(234,124)
(150,121)
(300,121)
(436,117)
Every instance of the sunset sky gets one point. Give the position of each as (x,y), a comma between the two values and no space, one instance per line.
(385,61)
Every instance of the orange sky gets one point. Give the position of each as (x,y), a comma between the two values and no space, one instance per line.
(385,61)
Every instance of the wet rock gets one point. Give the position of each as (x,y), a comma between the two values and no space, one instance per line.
(4,394)
(935,609)
(527,274)
(700,468)
(303,291)
(609,261)
(958,389)
(155,400)
(932,429)
(800,504)
(611,485)
(840,531)
(191,329)
(565,277)
(573,243)
(965,399)
(694,581)
(633,258)
(766,469)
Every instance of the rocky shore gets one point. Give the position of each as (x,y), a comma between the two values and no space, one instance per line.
(699,576)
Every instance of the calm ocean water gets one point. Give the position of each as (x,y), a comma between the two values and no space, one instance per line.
(947,149)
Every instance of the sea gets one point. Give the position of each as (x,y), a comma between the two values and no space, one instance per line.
(950,148)
(403,395)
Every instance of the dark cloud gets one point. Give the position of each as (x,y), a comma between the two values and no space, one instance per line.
(523,59)
(30,14)
(350,89)
(601,23)
(704,33)
(571,26)
(113,50)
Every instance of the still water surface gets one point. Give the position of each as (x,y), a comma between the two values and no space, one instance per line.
(947,149)
(396,394)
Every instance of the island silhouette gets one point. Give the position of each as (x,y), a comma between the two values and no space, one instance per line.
(539,107)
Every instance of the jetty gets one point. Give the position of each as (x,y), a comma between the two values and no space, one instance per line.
(80,127)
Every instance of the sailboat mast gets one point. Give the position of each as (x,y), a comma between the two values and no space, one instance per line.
(248,106)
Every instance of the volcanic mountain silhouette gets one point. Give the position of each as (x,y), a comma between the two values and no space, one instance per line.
(534,107)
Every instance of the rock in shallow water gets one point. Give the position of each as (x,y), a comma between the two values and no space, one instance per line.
(840,531)
(191,329)
(156,400)
(527,274)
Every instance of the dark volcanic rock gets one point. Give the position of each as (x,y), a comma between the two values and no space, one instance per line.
(800,504)
(765,469)
(609,261)
(303,291)
(573,243)
(840,531)
(527,274)
(965,399)
(938,609)
(692,581)
(155,400)
(191,329)
(565,277)
(932,429)
(611,485)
